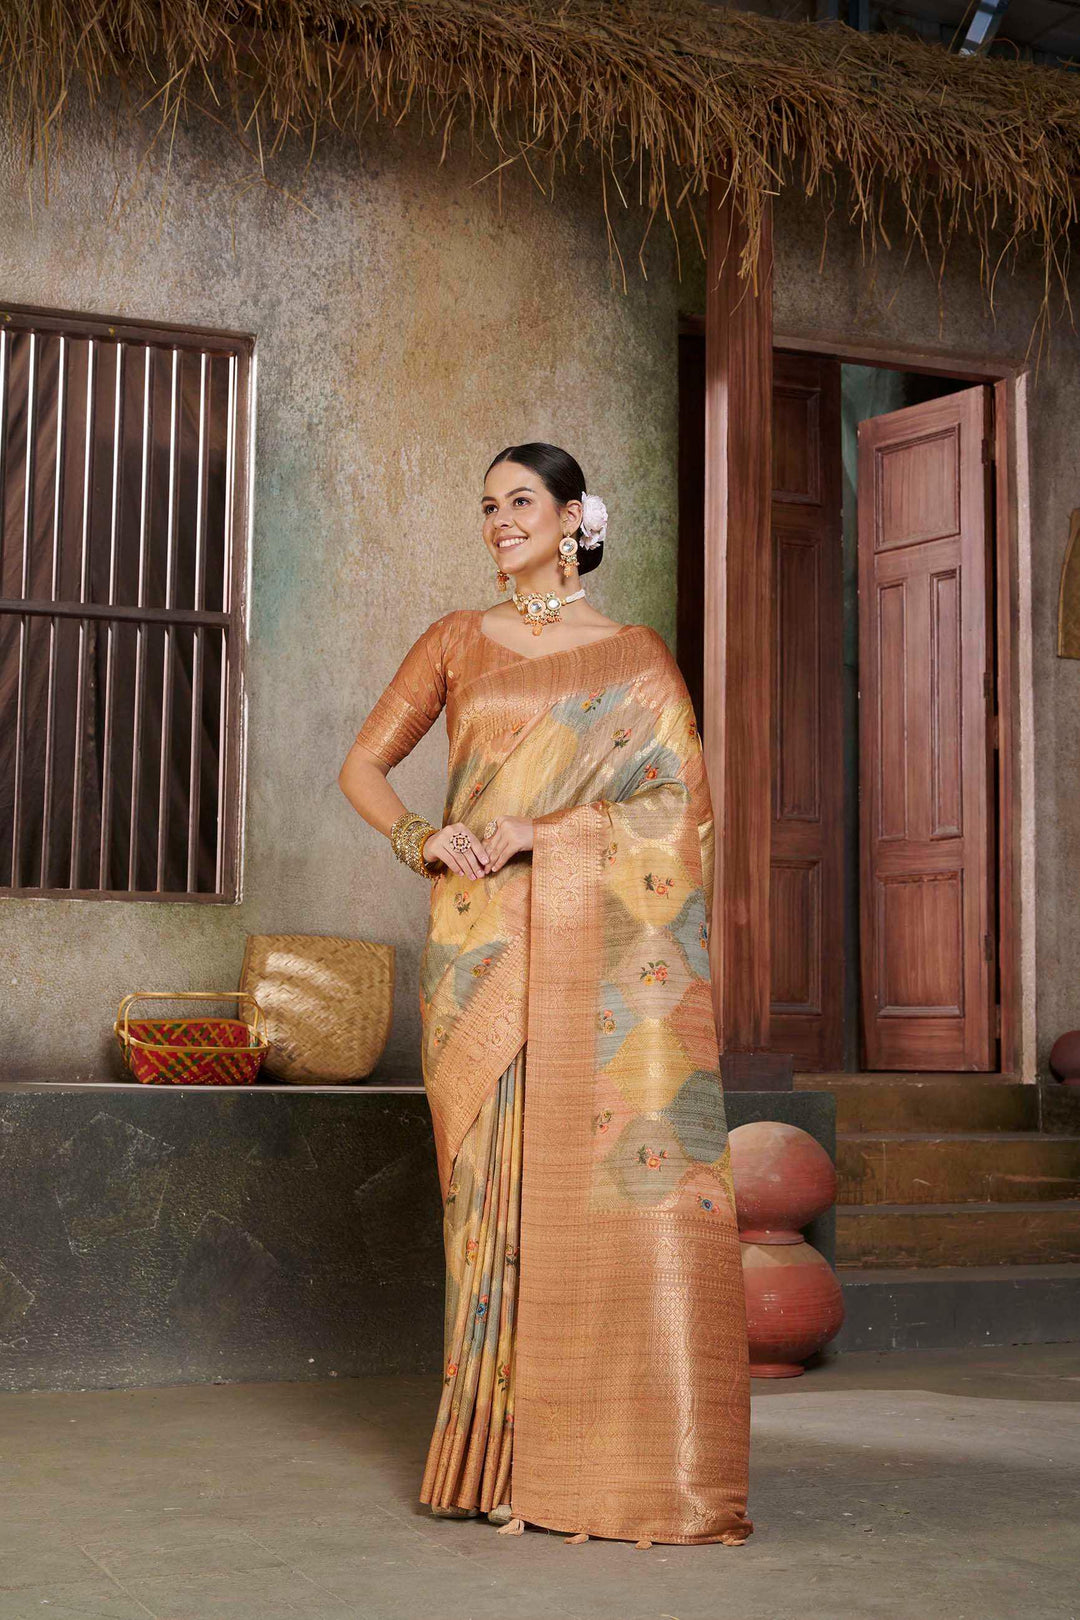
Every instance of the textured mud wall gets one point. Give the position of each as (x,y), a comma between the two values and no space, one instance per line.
(405,332)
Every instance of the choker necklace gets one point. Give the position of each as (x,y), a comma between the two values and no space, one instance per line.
(538,608)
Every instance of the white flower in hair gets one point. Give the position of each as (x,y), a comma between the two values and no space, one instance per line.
(593,521)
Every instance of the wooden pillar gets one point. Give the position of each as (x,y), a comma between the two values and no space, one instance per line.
(738,637)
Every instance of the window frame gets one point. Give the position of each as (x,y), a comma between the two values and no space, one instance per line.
(234,622)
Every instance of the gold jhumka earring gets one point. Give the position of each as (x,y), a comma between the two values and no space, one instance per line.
(567,554)
(502,581)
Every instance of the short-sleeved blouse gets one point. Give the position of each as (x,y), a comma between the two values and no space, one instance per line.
(451,652)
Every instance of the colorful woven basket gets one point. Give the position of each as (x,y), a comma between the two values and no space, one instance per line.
(192,1051)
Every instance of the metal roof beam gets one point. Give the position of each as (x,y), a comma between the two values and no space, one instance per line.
(983,26)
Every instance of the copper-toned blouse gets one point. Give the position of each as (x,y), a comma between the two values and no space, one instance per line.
(451,652)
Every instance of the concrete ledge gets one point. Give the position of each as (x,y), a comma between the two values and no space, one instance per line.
(156,1235)
(352,1089)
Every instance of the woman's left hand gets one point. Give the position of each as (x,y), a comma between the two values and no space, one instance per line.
(511,836)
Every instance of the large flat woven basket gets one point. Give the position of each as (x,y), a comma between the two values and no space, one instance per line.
(327,1001)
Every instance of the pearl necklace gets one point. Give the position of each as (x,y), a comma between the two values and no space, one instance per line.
(538,608)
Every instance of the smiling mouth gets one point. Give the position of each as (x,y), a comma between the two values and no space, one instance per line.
(515,540)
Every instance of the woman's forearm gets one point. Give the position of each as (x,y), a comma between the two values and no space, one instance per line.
(362,779)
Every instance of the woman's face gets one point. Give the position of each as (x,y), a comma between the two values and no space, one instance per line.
(523,523)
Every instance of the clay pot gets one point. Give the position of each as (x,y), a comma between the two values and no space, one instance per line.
(794,1305)
(1065,1058)
(783,1179)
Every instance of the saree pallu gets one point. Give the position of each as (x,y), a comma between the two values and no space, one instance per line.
(596,1362)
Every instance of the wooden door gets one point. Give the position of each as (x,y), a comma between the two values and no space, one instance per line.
(806,864)
(926,684)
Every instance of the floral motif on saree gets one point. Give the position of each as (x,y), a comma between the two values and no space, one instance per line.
(602,1376)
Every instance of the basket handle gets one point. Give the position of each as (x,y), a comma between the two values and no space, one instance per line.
(241,997)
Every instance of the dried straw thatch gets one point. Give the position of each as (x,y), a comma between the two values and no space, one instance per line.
(661,95)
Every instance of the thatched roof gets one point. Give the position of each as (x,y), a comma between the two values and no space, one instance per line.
(660,95)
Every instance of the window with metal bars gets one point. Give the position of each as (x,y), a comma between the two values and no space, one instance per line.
(123,516)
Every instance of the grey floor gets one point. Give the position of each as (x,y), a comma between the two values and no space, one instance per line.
(925,1485)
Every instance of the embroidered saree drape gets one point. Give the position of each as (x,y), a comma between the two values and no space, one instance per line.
(596,1364)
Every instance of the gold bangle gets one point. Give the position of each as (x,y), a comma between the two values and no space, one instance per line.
(407,838)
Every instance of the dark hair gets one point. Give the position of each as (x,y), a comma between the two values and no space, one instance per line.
(563,479)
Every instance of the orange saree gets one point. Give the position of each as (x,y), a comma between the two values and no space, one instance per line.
(596,1372)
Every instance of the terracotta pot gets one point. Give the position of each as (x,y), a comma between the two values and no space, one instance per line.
(783,1179)
(1065,1058)
(794,1305)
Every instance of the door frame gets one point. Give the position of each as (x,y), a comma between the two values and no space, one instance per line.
(1012,642)
(1012,649)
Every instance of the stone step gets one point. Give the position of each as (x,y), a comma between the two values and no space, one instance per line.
(931,1235)
(881,1167)
(959,1307)
(1059,1107)
(928,1102)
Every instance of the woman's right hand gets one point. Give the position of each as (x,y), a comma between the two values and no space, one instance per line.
(473,862)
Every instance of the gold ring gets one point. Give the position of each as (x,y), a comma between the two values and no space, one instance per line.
(461,842)
(491,829)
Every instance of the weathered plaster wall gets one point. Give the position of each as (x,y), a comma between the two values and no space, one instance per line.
(406,331)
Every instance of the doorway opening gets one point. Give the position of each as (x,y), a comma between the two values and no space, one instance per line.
(888,839)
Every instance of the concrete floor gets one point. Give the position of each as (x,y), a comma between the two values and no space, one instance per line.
(922,1485)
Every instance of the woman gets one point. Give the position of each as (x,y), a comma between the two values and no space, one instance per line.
(596,1376)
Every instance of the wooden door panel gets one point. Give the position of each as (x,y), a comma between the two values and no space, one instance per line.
(806,873)
(946,707)
(796,937)
(918,495)
(891,805)
(798,475)
(797,778)
(924,977)
(926,809)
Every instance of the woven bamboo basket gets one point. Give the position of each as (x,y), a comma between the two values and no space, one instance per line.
(327,1002)
(202,1051)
